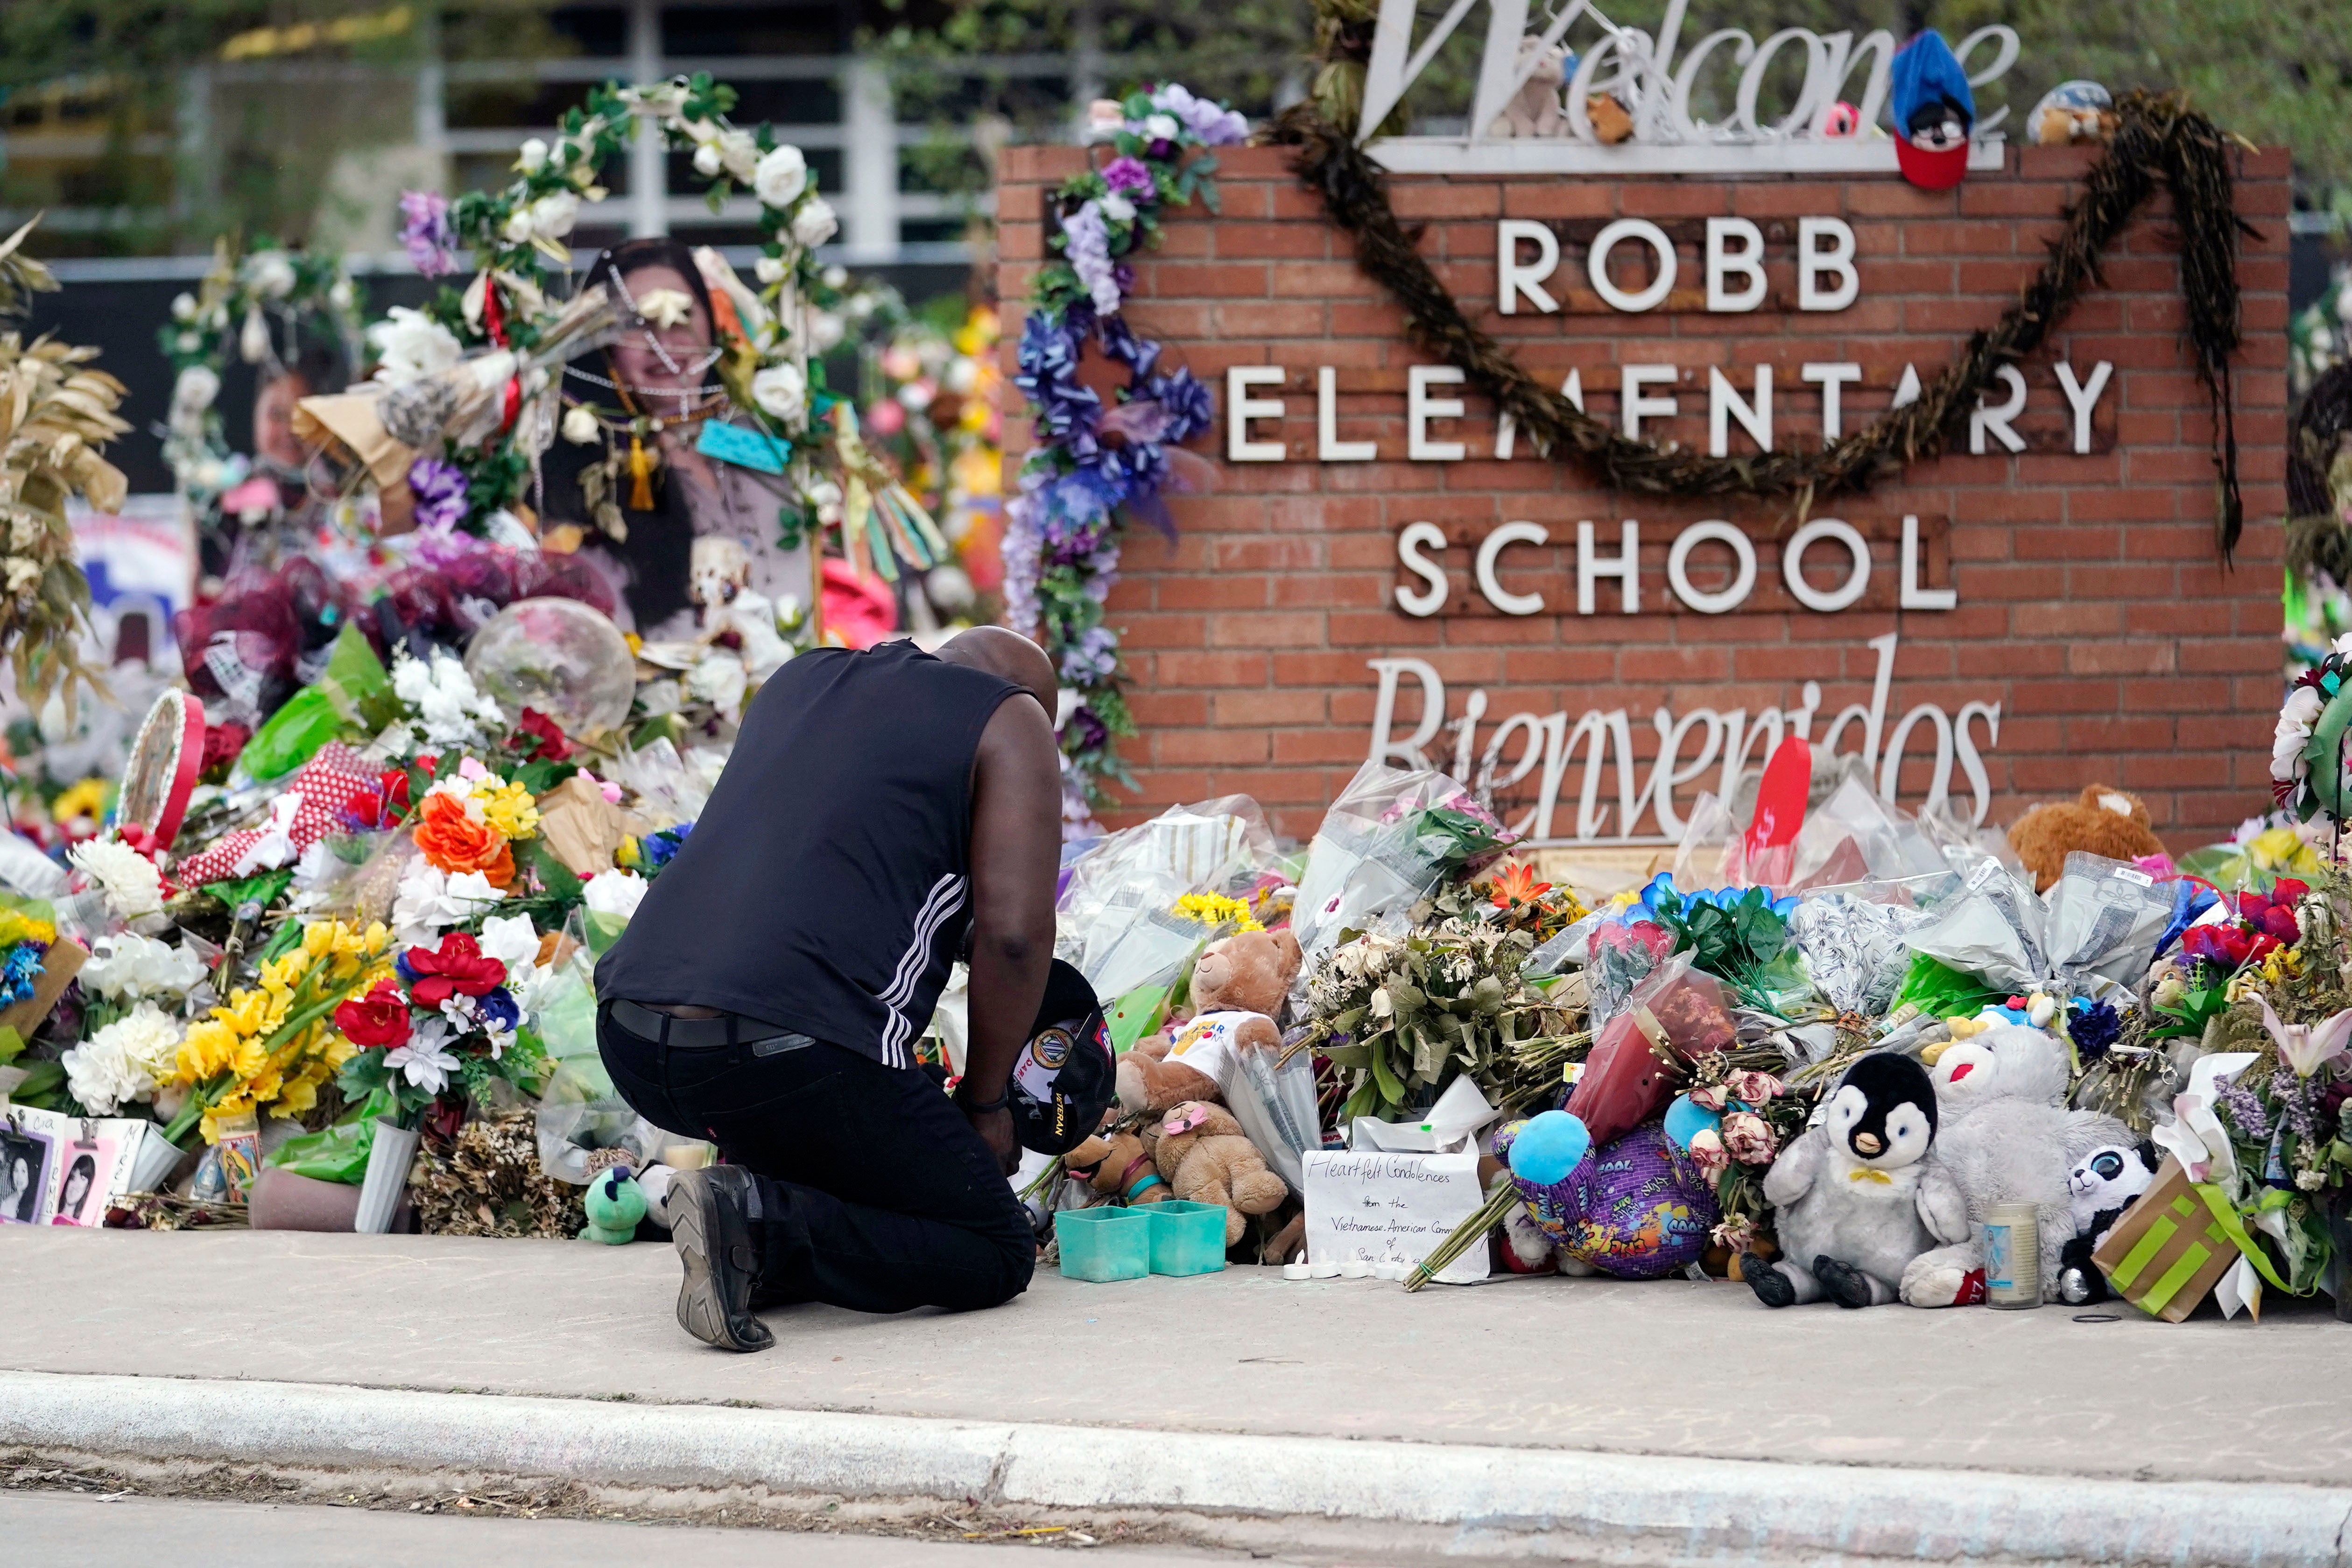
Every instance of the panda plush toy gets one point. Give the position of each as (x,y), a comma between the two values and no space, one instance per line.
(2107,1181)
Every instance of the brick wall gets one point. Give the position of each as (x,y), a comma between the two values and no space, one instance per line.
(2091,605)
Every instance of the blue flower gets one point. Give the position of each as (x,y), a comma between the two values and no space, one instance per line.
(496,1011)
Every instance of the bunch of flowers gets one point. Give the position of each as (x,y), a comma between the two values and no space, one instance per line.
(1756,1115)
(1225,917)
(125,1060)
(247,302)
(1523,903)
(443,1021)
(1089,464)
(267,1044)
(1401,1015)
(2309,763)
(27,933)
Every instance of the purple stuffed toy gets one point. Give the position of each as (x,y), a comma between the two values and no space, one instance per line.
(1637,1207)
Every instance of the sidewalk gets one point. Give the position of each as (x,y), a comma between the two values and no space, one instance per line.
(1890,1432)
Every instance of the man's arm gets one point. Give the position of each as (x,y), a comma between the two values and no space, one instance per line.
(1016,851)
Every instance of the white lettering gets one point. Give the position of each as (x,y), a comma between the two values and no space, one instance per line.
(1405,753)
(1506,429)
(1722,261)
(1792,565)
(1996,420)
(2084,397)
(1830,379)
(1813,259)
(1240,408)
(1420,408)
(1606,738)
(1914,596)
(1512,281)
(1678,567)
(1625,566)
(1751,84)
(1596,265)
(1725,404)
(1635,405)
(1493,545)
(1412,543)
(1329,447)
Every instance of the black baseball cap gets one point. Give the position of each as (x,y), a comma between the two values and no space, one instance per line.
(1065,1078)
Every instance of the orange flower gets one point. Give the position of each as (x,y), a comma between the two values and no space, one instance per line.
(454,842)
(1515,886)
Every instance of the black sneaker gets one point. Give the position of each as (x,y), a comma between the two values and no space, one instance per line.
(712,1232)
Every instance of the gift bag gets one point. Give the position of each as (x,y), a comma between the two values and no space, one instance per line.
(2168,1251)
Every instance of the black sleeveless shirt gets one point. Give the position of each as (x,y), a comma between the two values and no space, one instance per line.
(827,885)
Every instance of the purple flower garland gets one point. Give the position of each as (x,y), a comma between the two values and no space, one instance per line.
(1062,533)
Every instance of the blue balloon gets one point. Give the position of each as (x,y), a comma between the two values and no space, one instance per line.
(1686,1119)
(1549,1147)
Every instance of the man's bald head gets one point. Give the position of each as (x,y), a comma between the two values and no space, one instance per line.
(1008,654)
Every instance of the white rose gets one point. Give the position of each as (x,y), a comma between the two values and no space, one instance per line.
(195,389)
(534,158)
(615,893)
(410,345)
(270,274)
(781,391)
(780,176)
(184,308)
(739,151)
(2295,722)
(517,229)
(815,224)
(1160,128)
(552,215)
(769,270)
(339,294)
(579,425)
(1117,208)
(705,160)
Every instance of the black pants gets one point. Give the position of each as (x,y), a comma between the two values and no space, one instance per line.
(875,1193)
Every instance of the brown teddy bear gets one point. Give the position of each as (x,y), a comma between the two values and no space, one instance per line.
(1119,1164)
(2102,821)
(1200,1149)
(1238,985)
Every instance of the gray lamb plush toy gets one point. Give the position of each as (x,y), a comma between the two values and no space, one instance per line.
(2003,1135)
(1845,1192)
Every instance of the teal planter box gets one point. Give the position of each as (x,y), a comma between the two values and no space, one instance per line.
(1102,1244)
(1186,1237)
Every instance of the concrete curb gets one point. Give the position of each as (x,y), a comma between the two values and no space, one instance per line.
(1479,1500)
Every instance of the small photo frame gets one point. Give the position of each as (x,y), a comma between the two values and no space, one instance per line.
(27,1155)
(86,1172)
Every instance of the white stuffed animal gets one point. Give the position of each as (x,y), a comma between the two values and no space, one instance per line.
(2003,1134)
(1535,109)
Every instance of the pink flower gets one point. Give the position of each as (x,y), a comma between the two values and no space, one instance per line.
(1754,1088)
(1707,1153)
(1711,1098)
(1747,1138)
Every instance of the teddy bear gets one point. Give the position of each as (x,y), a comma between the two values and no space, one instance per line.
(1119,1164)
(1845,1193)
(2102,821)
(1238,985)
(1201,1151)
(2003,1135)
(1535,108)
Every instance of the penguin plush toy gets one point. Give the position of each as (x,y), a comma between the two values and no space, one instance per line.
(1846,1190)
(2107,1181)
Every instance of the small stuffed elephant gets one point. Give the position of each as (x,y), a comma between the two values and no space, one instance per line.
(1202,1153)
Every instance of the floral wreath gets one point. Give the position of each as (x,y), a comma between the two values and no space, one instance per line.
(1062,536)
(247,302)
(2310,769)
(765,368)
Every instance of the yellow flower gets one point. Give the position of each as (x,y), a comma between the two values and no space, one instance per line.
(16,927)
(2283,849)
(87,798)
(319,937)
(628,857)
(1213,909)
(507,807)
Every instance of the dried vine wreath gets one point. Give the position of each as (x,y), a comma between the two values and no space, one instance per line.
(2159,139)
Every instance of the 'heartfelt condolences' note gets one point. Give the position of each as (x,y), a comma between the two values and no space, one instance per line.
(1370,1204)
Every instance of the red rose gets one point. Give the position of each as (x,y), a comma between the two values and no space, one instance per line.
(457,967)
(380,1018)
(541,736)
